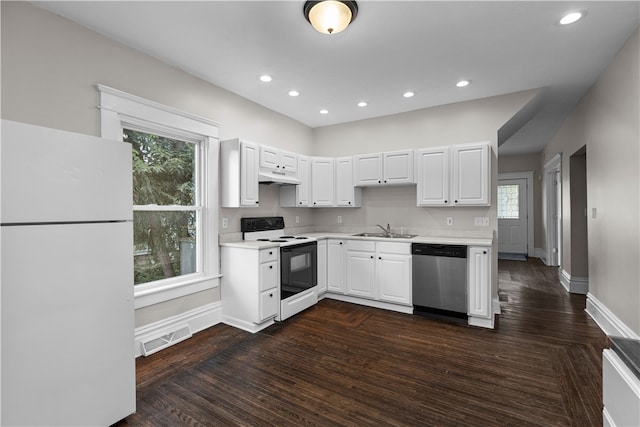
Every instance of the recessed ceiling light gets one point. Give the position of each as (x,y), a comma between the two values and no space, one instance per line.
(463,83)
(265,78)
(324,111)
(408,94)
(362,104)
(294,93)
(570,18)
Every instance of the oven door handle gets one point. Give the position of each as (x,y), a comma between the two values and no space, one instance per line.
(301,245)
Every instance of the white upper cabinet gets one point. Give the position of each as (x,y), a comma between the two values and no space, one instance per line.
(239,173)
(275,159)
(433,176)
(398,167)
(298,195)
(471,174)
(346,194)
(453,176)
(389,168)
(322,181)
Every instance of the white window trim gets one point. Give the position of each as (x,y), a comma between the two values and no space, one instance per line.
(119,108)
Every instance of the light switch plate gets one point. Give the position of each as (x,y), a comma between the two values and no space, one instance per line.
(297,220)
(225,222)
(339,219)
(481,221)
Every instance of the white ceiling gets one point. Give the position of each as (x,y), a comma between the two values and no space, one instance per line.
(391,47)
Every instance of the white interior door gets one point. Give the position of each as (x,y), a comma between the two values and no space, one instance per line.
(512,216)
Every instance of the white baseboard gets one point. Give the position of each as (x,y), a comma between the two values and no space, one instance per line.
(247,326)
(575,285)
(198,319)
(607,321)
(496,306)
(371,303)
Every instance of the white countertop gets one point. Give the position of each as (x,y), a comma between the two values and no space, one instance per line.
(443,240)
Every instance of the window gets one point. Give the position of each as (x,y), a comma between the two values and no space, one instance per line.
(166,206)
(175,195)
(508,197)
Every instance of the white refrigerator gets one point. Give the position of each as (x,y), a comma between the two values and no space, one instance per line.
(67,316)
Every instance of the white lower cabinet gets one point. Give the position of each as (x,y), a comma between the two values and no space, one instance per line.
(479,281)
(379,270)
(322,266)
(250,286)
(336,253)
(620,392)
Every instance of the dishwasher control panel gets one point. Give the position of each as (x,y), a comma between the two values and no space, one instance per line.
(454,251)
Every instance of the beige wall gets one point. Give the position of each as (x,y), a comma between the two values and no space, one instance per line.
(50,69)
(607,121)
(528,163)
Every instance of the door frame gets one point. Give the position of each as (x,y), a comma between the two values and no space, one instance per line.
(554,205)
(528,176)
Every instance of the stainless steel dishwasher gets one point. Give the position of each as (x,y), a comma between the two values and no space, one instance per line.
(439,279)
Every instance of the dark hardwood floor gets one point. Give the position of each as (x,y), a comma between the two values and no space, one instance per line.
(348,365)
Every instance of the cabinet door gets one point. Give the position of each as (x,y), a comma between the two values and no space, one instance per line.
(249,174)
(322,181)
(398,167)
(393,273)
(368,169)
(304,175)
(288,162)
(335,265)
(269,157)
(322,266)
(433,177)
(345,192)
(471,174)
(479,303)
(361,274)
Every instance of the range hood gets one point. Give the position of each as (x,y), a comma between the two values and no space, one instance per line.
(266,176)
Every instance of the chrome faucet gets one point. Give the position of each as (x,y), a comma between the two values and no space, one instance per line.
(387,231)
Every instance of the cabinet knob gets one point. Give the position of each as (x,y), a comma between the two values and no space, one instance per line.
(283,167)
(379,182)
(256,202)
(300,202)
(270,252)
(349,202)
(379,257)
(484,252)
(271,266)
(445,201)
(371,256)
(278,166)
(314,203)
(455,201)
(385,181)
(340,242)
(271,295)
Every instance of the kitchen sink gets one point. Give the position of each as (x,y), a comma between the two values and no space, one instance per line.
(385,235)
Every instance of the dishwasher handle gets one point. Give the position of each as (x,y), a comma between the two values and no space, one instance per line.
(432,249)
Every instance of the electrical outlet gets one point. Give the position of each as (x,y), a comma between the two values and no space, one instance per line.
(225,222)
(481,221)
(339,219)
(297,220)
(449,221)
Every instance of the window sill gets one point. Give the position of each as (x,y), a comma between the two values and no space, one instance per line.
(145,295)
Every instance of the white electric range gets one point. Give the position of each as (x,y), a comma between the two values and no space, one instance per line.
(298,263)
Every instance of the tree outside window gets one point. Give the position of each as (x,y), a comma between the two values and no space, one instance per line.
(166,208)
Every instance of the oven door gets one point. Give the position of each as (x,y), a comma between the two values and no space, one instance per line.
(298,269)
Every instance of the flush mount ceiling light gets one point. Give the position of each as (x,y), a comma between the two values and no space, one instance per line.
(294,93)
(463,83)
(330,16)
(570,18)
(324,111)
(408,94)
(265,78)
(362,104)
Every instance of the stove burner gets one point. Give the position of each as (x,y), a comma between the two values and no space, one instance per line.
(301,238)
(262,240)
(277,240)
(286,237)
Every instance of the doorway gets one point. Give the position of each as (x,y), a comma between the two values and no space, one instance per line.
(553,198)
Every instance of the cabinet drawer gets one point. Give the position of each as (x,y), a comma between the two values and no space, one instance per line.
(269,255)
(269,275)
(269,304)
(394,248)
(361,245)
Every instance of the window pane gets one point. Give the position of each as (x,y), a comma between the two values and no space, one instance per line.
(508,207)
(164,244)
(163,169)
